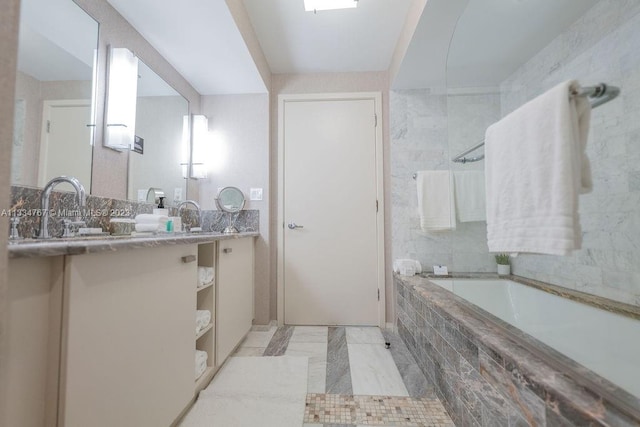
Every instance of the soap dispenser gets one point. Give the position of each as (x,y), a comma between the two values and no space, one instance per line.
(161,210)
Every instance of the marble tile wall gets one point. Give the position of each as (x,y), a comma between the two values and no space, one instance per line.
(602,46)
(25,202)
(483,379)
(428,127)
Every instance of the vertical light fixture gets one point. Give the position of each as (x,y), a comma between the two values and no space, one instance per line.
(186,146)
(315,5)
(121,96)
(201,140)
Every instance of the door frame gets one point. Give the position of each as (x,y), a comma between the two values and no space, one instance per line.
(47,106)
(380,268)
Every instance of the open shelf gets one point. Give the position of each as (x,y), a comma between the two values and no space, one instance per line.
(204,331)
(203,379)
(208,285)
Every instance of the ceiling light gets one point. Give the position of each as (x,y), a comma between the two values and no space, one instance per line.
(315,5)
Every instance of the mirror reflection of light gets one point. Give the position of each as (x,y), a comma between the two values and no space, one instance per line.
(185,147)
(122,84)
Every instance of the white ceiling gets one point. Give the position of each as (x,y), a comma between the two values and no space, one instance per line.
(57,40)
(295,41)
(200,39)
(491,39)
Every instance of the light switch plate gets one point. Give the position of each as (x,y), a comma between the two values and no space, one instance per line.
(142,196)
(255,194)
(440,270)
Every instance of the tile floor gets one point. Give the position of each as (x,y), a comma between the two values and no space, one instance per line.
(352,378)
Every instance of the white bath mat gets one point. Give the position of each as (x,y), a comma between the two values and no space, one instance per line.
(253,391)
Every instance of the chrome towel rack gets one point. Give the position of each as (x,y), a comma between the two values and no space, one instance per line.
(598,95)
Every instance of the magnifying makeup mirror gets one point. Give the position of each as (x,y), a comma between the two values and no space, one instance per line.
(231,201)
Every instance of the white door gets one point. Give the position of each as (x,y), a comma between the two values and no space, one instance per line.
(330,192)
(65,147)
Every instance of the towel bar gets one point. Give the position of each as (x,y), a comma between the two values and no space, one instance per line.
(600,94)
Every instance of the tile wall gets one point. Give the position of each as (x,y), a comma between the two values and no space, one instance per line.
(602,46)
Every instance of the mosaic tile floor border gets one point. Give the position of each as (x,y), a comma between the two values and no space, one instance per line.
(375,410)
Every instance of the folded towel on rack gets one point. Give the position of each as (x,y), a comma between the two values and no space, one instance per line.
(205,275)
(435,200)
(203,318)
(470,196)
(201,362)
(536,167)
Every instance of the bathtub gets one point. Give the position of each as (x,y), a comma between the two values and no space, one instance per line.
(606,343)
(500,352)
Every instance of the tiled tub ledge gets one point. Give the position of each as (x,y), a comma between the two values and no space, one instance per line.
(489,373)
(77,246)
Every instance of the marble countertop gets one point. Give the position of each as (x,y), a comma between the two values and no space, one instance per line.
(30,248)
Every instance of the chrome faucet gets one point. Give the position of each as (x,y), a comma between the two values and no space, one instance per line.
(46,194)
(196,205)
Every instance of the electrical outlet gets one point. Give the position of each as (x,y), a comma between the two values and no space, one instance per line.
(255,194)
(142,196)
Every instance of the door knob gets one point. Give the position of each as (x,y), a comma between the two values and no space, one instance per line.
(293,226)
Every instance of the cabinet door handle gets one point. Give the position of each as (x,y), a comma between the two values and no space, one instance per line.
(227,250)
(188,258)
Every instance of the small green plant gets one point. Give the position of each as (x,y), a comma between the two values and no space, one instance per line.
(503,259)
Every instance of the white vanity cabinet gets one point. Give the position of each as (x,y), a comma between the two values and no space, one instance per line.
(128,331)
(234,289)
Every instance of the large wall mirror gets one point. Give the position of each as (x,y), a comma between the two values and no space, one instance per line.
(160,154)
(53,122)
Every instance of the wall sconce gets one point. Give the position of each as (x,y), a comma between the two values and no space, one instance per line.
(201,141)
(121,96)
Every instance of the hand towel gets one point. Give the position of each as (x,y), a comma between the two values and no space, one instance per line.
(399,263)
(470,196)
(435,201)
(536,167)
(150,218)
(203,318)
(201,362)
(205,276)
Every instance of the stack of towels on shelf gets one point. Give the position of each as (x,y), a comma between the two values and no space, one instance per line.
(146,223)
(444,195)
(407,267)
(205,276)
(201,362)
(203,318)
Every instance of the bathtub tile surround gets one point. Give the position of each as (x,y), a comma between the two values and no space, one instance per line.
(602,46)
(27,199)
(486,373)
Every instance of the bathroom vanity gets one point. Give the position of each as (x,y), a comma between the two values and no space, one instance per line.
(102,331)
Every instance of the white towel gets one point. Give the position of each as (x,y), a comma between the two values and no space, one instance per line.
(203,318)
(435,200)
(150,218)
(205,275)
(400,263)
(470,196)
(535,168)
(201,362)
